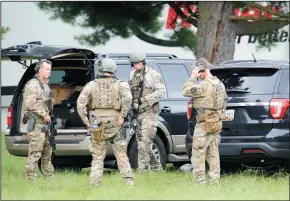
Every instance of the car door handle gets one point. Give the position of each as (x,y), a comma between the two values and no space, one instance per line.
(166,109)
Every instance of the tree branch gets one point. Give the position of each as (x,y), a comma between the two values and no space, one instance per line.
(280,14)
(194,15)
(260,18)
(188,46)
(179,12)
(186,3)
(155,41)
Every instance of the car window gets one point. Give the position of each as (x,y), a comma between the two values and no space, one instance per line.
(123,72)
(254,80)
(284,82)
(56,76)
(175,75)
(189,67)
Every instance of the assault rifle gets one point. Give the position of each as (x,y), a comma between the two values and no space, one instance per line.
(130,122)
(53,132)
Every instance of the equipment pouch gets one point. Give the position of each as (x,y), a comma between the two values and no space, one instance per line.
(26,117)
(30,124)
(98,132)
(200,117)
(211,124)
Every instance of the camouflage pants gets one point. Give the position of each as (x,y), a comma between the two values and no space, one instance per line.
(205,149)
(146,130)
(99,150)
(39,148)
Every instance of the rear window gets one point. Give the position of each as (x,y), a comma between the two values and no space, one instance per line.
(253,80)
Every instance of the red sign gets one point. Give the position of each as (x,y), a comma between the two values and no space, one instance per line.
(171,18)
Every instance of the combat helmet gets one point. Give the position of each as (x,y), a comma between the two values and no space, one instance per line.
(137,56)
(107,65)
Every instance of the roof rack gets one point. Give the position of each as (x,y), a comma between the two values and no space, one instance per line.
(251,61)
(126,55)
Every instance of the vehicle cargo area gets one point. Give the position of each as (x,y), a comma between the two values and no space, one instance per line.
(66,84)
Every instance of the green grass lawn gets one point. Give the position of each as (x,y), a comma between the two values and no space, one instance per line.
(171,185)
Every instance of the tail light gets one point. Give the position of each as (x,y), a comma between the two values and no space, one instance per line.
(9,116)
(189,109)
(278,107)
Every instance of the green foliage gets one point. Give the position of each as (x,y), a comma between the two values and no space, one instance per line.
(268,44)
(186,38)
(4,30)
(102,21)
(106,19)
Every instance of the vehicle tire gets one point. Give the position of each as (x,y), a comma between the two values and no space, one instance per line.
(158,149)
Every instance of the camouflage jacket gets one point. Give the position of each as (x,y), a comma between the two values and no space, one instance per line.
(34,98)
(203,92)
(154,87)
(86,101)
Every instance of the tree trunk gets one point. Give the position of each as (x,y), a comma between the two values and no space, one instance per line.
(226,47)
(216,32)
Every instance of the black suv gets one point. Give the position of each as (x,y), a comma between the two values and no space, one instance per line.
(256,126)
(72,68)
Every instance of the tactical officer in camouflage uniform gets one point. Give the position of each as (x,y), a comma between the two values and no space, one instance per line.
(209,101)
(37,106)
(109,100)
(148,89)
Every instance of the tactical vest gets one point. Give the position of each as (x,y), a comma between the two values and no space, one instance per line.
(214,101)
(136,86)
(46,99)
(106,94)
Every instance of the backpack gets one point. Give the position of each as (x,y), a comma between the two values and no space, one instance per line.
(219,93)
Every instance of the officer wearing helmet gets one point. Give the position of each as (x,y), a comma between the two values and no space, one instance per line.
(209,102)
(109,100)
(147,89)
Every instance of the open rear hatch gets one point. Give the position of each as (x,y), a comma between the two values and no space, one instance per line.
(249,92)
(35,51)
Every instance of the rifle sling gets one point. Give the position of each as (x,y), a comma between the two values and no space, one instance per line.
(42,87)
(141,92)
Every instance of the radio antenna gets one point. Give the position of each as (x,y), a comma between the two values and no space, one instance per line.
(255,60)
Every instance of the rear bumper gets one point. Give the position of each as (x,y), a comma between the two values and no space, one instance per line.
(18,147)
(65,146)
(247,151)
(251,148)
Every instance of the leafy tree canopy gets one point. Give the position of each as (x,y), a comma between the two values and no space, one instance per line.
(105,20)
